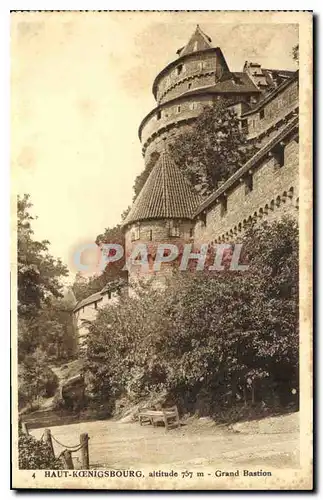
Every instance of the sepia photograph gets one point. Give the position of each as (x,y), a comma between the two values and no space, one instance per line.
(161,216)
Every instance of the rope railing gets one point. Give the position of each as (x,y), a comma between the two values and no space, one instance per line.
(66,454)
(48,438)
(66,447)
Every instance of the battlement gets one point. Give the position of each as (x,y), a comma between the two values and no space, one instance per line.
(265,188)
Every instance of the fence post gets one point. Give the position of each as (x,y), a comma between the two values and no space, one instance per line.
(84,441)
(245,394)
(24,428)
(67,456)
(48,440)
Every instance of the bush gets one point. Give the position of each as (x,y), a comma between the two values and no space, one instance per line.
(36,380)
(34,454)
(212,341)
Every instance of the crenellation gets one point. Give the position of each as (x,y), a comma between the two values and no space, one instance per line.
(274,112)
(273,194)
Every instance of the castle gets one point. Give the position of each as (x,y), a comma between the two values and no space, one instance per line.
(168,208)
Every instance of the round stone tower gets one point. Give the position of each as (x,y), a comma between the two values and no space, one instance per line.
(162,214)
(184,87)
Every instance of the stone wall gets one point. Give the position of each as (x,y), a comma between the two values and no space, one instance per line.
(151,233)
(167,135)
(172,114)
(191,68)
(272,111)
(274,193)
(198,80)
(89,313)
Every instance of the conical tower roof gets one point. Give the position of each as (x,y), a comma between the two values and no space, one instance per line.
(167,194)
(198,41)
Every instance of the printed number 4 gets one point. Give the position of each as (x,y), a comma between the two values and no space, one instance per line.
(34,475)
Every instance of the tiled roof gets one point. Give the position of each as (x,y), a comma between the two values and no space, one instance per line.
(238,83)
(167,194)
(273,93)
(269,73)
(224,86)
(249,164)
(113,285)
(198,41)
(96,297)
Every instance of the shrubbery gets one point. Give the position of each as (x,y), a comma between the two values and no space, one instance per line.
(36,379)
(34,454)
(45,329)
(210,341)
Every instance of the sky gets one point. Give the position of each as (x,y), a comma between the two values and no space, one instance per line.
(80,86)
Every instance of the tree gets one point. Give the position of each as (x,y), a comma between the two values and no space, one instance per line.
(143,176)
(113,270)
(295,53)
(84,286)
(213,149)
(125,213)
(34,454)
(43,332)
(36,380)
(212,338)
(38,272)
(121,346)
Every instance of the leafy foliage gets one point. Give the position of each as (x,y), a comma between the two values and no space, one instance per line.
(38,272)
(84,286)
(143,176)
(45,332)
(213,149)
(36,379)
(210,340)
(35,454)
(295,53)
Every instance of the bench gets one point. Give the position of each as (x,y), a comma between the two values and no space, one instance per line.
(169,416)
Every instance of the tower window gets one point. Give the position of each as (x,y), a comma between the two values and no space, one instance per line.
(224,206)
(262,114)
(244,125)
(195,47)
(189,85)
(279,155)
(174,231)
(158,115)
(178,109)
(179,69)
(173,228)
(135,233)
(248,184)
(191,232)
(150,234)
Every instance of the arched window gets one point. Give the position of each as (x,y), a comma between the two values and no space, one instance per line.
(179,69)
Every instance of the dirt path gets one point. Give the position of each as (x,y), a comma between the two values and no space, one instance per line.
(128,445)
